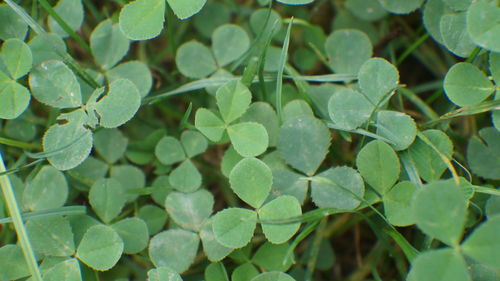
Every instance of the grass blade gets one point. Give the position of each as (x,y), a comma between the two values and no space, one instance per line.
(282,63)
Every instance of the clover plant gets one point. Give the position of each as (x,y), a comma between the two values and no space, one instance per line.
(222,140)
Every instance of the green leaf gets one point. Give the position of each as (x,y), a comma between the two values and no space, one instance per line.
(178,243)
(244,272)
(368,10)
(47,190)
(264,114)
(51,236)
(142,19)
(399,7)
(68,270)
(429,164)
(134,233)
(169,151)
(119,105)
(214,250)
(483,153)
(135,71)
(213,15)
(258,23)
(379,165)
(433,12)
(396,127)
(14,99)
(17,57)
(349,109)
(483,244)
(11,24)
(466,85)
(303,143)
(130,177)
(295,2)
(107,198)
(483,25)
(454,34)
(271,257)
(458,5)
(209,124)
(190,210)
(347,50)
(494,62)
(248,138)
(154,217)
(297,108)
(229,42)
(397,204)
(184,9)
(13,264)
(194,143)
(283,207)
(216,272)
(54,84)
(80,224)
(108,44)
(110,144)
(71,12)
(251,180)
(339,187)
(70,143)
(229,160)
(163,273)
(432,205)
(194,60)
(233,100)
(234,227)
(273,276)
(438,265)
(377,77)
(185,177)
(101,247)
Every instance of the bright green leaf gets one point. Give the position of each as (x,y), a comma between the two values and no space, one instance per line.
(234,227)
(163,273)
(194,143)
(11,24)
(54,84)
(190,210)
(194,60)
(439,265)
(212,248)
(251,180)
(14,99)
(71,12)
(401,7)
(184,9)
(349,109)
(377,77)
(396,127)
(101,247)
(229,160)
(51,236)
(347,50)
(244,272)
(47,190)
(271,257)
(178,243)
(107,198)
(303,143)
(216,272)
(264,114)
(169,151)
(283,207)
(186,177)
(209,124)
(440,209)
(142,19)
(483,244)
(17,57)
(13,263)
(339,187)
(229,42)
(68,270)
(135,71)
(297,108)
(466,85)
(248,138)
(397,204)
(379,165)
(273,276)
(134,233)
(233,100)
(108,44)
(48,46)
(483,25)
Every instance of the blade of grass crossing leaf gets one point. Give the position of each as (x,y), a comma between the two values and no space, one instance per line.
(281,68)
(12,206)
(185,118)
(64,25)
(12,171)
(410,168)
(63,211)
(310,227)
(19,144)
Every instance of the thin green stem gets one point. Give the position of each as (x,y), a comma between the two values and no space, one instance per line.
(15,213)
(19,144)
(412,48)
(282,63)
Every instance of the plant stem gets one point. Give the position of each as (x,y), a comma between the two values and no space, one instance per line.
(10,200)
